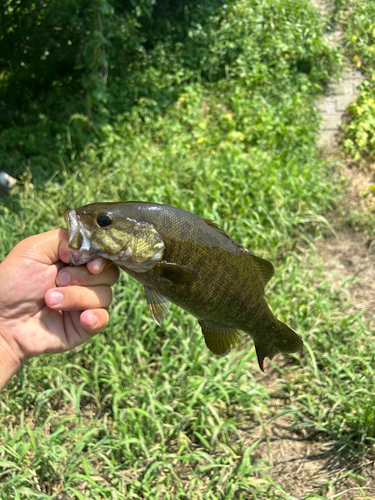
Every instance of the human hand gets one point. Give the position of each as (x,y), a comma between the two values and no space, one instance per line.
(39,313)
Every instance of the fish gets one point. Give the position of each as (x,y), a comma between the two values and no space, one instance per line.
(182,258)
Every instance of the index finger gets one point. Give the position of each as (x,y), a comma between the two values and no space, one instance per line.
(95,266)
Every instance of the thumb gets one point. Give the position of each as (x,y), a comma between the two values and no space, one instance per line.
(42,248)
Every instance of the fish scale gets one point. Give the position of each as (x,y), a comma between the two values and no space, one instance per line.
(181,258)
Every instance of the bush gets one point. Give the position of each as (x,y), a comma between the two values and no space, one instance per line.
(358,133)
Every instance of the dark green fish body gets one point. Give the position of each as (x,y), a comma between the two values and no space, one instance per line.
(182,258)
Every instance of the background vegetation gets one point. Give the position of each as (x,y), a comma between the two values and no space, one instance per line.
(206,106)
(359,23)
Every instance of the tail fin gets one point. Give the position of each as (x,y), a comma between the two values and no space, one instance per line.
(287,339)
(283,339)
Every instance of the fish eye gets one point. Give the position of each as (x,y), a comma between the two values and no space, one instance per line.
(104,220)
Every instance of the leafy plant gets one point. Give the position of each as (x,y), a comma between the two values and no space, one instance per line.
(358,20)
(359,140)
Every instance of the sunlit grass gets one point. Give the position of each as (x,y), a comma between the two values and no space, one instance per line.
(132,409)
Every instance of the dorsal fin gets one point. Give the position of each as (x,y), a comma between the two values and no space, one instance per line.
(213,224)
(265,267)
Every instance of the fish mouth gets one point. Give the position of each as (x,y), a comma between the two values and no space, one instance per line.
(79,239)
(73,224)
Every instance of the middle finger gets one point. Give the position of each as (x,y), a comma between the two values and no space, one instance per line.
(81,276)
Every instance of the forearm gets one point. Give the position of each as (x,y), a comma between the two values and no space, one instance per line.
(9,364)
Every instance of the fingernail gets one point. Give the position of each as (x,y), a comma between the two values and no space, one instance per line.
(96,266)
(93,320)
(95,269)
(56,298)
(64,279)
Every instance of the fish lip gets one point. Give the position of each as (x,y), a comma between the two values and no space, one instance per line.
(74,225)
(79,243)
(71,221)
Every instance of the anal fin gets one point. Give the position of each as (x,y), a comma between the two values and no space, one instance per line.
(219,339)
(158,305)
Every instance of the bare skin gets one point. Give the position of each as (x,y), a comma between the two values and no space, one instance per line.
(46,306)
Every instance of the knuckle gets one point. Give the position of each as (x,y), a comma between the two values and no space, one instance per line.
(109,295)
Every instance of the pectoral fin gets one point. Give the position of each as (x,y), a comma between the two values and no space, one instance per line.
(177,274)
(219,339)
(158,305)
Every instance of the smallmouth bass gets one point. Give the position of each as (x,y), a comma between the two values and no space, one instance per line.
(181,258)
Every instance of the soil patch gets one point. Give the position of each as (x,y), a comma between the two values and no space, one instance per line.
(309,465)
(349,257)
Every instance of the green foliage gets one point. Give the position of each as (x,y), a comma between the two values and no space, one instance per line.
(358,19)
(359,132)
(247,45)
(245,54)
(63,47)
(152,407)
(38,43)
(346,402)
(359,23)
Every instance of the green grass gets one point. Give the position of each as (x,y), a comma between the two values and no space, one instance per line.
(334,391)
(153,407)
(229,133)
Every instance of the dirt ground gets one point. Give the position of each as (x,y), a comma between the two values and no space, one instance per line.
(309,466)
(349,253)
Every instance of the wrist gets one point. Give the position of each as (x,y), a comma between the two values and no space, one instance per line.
(9,362)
